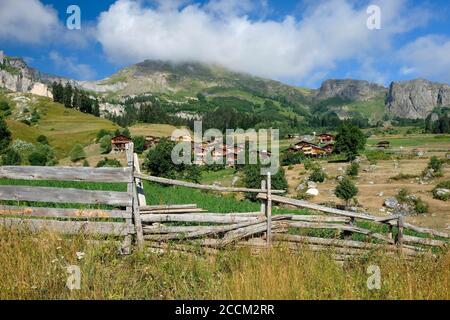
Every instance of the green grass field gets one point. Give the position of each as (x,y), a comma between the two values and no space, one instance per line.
(64,127)
(412,140)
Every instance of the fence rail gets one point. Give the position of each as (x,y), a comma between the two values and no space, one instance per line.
(153,226)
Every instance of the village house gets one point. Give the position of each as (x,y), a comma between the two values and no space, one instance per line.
(311,150)
(151,141)
(325,138)
(383,145)
(119,143)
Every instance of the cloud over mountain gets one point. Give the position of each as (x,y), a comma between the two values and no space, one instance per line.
(222,32)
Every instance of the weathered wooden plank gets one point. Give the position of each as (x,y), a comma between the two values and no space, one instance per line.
(135,200)
(313,225)
(167,206)
(424,230)
(179,211)
(317,218)
(199,233)
(424,241)
(63,213)
(70,227)
(200,186)
(139,185)
(342,243)
(313,206)
(64,195)
(66,173)
(213,218)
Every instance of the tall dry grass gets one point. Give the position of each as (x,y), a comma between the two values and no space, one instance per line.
(33,266)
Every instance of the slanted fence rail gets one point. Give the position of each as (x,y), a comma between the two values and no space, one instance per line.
(177,226)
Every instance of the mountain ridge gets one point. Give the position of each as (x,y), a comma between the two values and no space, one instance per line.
(181,82)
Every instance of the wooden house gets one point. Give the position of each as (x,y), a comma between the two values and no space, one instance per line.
(311,149)
(325,138)
(119,143)
(383,145)
(151,141)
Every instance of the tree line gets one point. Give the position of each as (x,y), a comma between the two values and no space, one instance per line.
(75,98)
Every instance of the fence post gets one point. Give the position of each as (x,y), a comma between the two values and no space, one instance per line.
(269,209)
(400,223)
(263,203)
(132,190)
(139,184)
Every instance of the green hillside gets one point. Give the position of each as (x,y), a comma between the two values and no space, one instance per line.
(32,116)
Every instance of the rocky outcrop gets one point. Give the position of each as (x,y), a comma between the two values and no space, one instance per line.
(416,98)
(15,75)
(348,89)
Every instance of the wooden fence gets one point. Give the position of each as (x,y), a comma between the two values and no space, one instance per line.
(155,226)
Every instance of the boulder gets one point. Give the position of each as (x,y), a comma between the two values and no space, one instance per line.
(442,192)
(391,202)
(312,184)
(312,192)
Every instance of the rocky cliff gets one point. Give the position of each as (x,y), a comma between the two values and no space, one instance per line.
(359,90)
(15,75)
(416,98)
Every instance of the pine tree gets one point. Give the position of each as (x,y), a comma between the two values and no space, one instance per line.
(68,92)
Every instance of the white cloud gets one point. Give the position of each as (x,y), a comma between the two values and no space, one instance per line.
(79,70)
(31,22)
(26,21)
(220,31)
(427,57)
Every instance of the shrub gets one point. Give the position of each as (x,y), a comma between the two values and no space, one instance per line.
(37,158)
(350,140)
(4,105)
(42,139)
(403,176)
(108,163)
(77,153)
(139,144)
(252,179)
(101,133)
(415,202)
(11,158)
(442,196)
(85,163)
(318,175)
(5,135)
(311,164)
(436,164)
(105,144)
(159,160)
(291,158)
(346,190)
(353,169)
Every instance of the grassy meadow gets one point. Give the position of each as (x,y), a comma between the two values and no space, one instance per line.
(34,266)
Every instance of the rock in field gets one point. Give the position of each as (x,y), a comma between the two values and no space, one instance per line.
(391,203)
(312,192)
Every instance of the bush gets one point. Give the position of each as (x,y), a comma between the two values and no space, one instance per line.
(4,105)
(346,190)
(108,163)
(159,160)
(415,202)
(311,164)
(436,164)
(318,175)
(291,158)
(353,169)
(101,133)
(5,136)
(11,158)
(442,196)
(403,176)
(252,179)
(105,144)
(139,144)
(77,153)
(85,163)
(42,139)
(37,158)
(350,140)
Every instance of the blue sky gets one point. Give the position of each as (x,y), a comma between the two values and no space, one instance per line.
(298,42)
